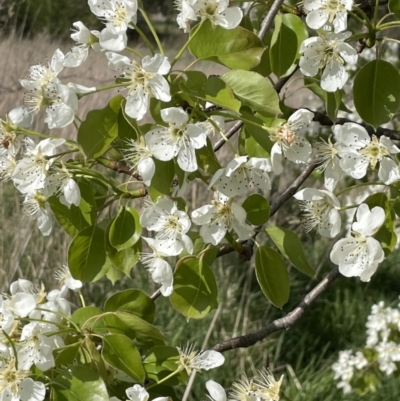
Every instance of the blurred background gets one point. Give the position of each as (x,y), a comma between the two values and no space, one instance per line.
(30,31)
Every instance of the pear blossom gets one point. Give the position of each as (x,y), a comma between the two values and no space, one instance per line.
(290,142)
(360,254)
(57,303)
(170,224)
(140,158)
(262,387)
(6,317)
(186,15)
(179,139)
(222,215)
(320,209)
(242,173)
(142,81)
(16,385)
(17,117)
(85,39)
(328,153)
(64,277)
(327,14)
(218,12)
(139,393)
(36,348)
(41,76)
(213,125)
(117,16)
(159,269)
(59,181)
(31,171)
(7,164)
(216,391)
(36,206)
(327,52)
(360,151)
(190,360)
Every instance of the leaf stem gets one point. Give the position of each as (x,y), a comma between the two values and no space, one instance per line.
(135,52)
(361,184)
(154,33)
(144,37)
(174,373)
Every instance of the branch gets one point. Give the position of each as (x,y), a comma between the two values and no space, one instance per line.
(247,252)
(269,18)
(284,323)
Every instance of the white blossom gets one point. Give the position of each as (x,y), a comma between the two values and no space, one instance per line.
(170,224)
(328,152)
(320,209)
(361,151)
(142,81)
(16,385)
(85,39)
(327,52)
(290,142)
(117,16)
(222,215)
(139,393)
(159,269)
(218,12)
(140,158)
(216,391)
(186,14)
(7,164)
(327,14)
(241,174)
(64,276)
(31,171)
(194,360)
(360,254)
(180,139)
(36,206)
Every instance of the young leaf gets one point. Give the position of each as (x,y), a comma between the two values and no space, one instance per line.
(272,276)
(290,246)
(257,208)
(195,290)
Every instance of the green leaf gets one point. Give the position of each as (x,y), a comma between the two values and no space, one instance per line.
(217,92)
(79,383)
(81,315)
(119,352)
(195,290)
(264,67)
(75,219)
(290,246)
(162,180)
(253,90)
(257,208)
(127,126)
(127,258)
(125,229)
(376,92)
(206,158)
(100,128)
(132,301)
(87,254)
(272,276)
(284,50)
(161,361)
(332,103)
(234,48)
(386,234)
(394,7)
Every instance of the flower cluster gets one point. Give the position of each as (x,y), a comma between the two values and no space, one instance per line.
(328,52)
(381,354)
(30,318)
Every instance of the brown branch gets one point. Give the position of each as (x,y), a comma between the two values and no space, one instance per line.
(119,167)
(269,18)
(247,252)
(284,323)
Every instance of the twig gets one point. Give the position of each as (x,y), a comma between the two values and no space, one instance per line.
(284,323)
(269,18)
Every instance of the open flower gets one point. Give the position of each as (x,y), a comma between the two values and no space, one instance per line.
(36,206)
(194,360)
(218,12)
(360,254)
(170,224)
(64,277)
(140,158)
(242,173)
(320,209)
(221,216)
(361,151)
(159,269)
(142,81)
(117,16)
(139,393)
(179,139)
(84,39)
(327,14)
(290,142)
(327,52)
(216,391)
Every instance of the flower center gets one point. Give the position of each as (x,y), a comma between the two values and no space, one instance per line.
(315,213)
(285,135)
(10,377)
(374,151)
(139,79)
(120,15)
(329,52)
